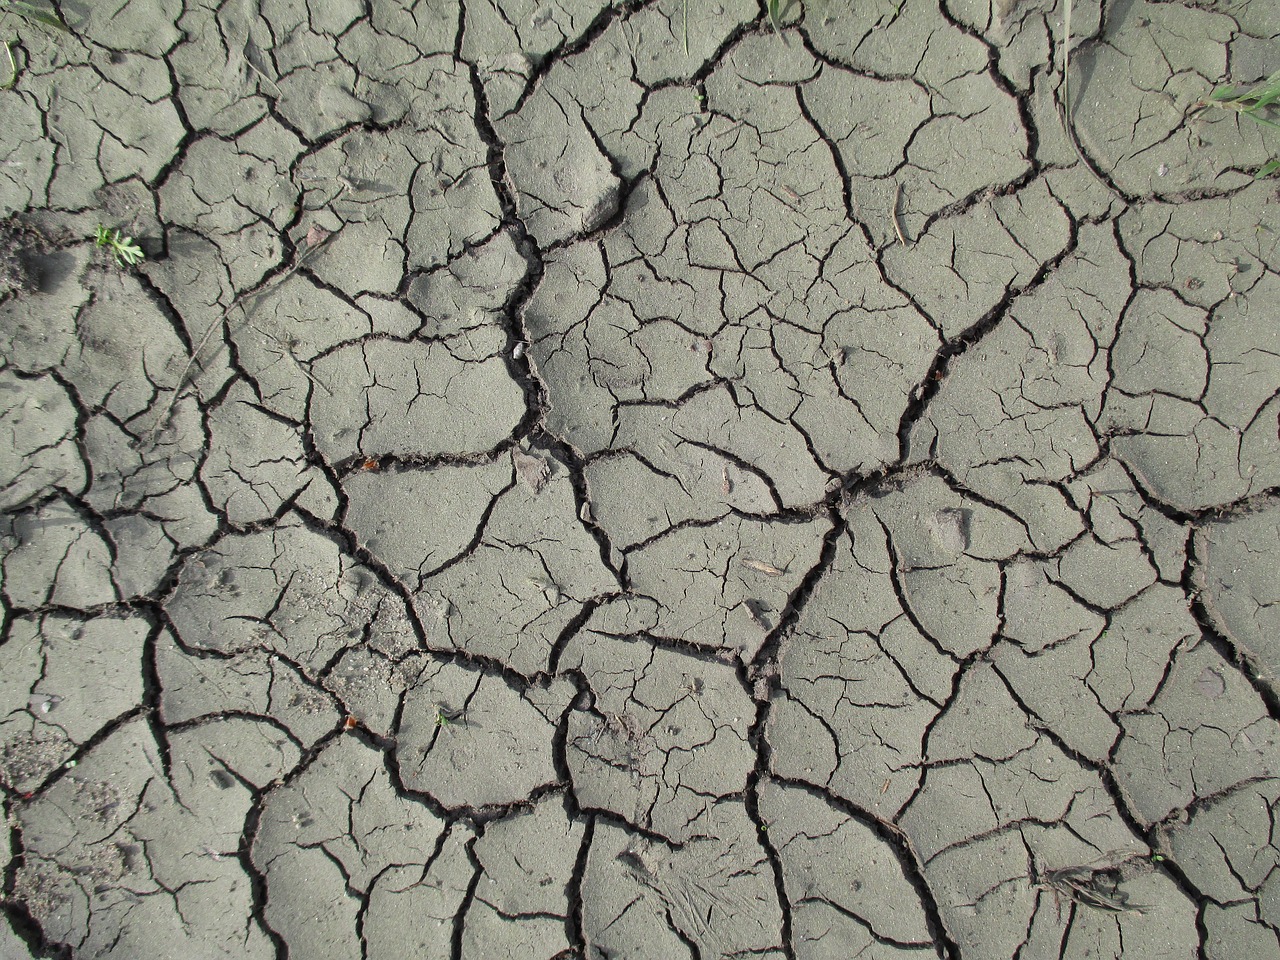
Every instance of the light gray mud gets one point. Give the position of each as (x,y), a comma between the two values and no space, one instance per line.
(558,488)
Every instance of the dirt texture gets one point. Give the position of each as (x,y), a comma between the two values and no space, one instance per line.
(640,480)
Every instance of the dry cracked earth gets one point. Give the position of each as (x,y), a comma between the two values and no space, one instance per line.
(568,484)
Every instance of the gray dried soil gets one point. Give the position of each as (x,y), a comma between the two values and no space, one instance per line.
(558,489)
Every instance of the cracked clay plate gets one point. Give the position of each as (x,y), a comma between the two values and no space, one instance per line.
(639,480)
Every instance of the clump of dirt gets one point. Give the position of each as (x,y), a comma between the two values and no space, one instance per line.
(28,761)
(20,243)
(39,885)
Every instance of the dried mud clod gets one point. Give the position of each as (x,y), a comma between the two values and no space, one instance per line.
(19,241)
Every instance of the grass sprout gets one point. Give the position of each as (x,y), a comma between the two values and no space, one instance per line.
(776,9)
(122,248)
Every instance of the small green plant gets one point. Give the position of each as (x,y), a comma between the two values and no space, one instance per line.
(1260,103)
(122,248)
(774,16)
(446,718)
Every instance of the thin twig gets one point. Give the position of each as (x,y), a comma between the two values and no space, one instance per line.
(13,66)
(1066,73)
(728,130)
(253,67)
(1064,107)
(283,351)
(893,214)
(239,301)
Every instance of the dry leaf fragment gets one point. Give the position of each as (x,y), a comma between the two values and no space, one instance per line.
(316,236)
(550,590)
(759,566)
(1098,888)
(532,470)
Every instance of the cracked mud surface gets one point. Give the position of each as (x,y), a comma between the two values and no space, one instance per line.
(558,487)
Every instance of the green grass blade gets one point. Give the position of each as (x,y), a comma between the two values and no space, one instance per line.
(1262,95)
(37,15)
(1263,120)
(1268,96)
(1270,88)
(1267,169)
